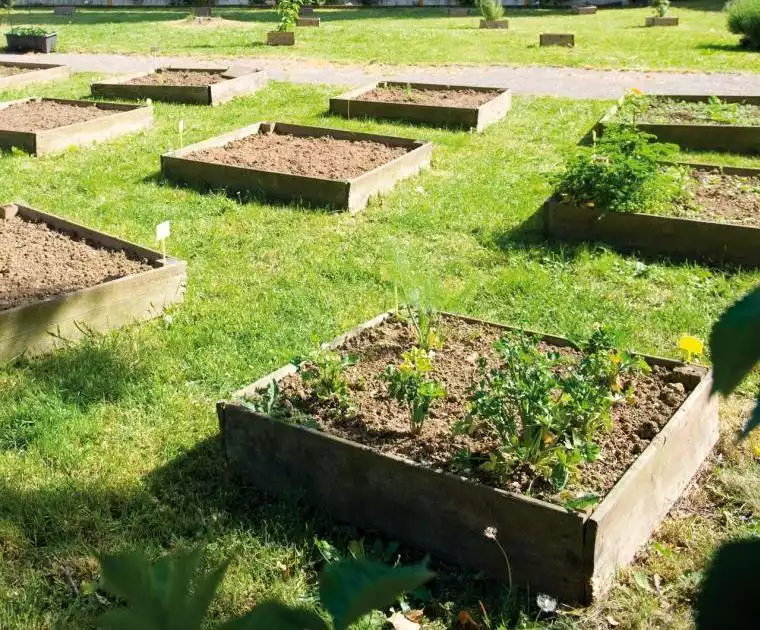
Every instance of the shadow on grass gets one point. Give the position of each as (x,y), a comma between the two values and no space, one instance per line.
(737,48)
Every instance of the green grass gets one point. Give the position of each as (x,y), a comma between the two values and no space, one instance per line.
(613,38)
(111,444)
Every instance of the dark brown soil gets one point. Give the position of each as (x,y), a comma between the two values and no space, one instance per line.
(44,115)
(725,198)
(324,157)
(178,77)
(379,421)
(38,262)
(6,71)
(444,98)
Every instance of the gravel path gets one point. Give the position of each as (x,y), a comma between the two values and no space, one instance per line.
(568,82)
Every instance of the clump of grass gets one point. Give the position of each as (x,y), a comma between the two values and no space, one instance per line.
(744,20)
(491,10)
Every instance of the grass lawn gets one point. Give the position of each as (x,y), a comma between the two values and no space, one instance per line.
(613,38)
(110,445)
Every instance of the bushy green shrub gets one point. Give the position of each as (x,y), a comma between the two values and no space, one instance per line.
(622,172)
(744,20)
(491,10)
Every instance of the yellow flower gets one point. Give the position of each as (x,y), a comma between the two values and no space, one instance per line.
(637,91)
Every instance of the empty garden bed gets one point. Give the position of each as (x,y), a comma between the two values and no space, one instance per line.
(698,123)
(46,125)
(717,221)
(14,74)
(58,279)
(395,411)
(465,107)
(294,163)
(200,86)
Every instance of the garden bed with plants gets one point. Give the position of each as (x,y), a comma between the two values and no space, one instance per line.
(568,454)
(620,192)
(465,107)
(294,162)
(14,74)
(698,123)
(59,279)
(30,39)
(201,86)
(46,125)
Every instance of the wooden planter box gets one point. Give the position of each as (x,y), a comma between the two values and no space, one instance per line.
(572,556)
(350,105)
(306,11)
(657,235)
(125,119)
(458,12)
(307,21)
(662,21)
(32,43)
(33,73)
(63,10)
(27,329)
(494,23)
(352,194)
(698,137)
(202,12)
(557,39)
(281,38)
(590,10)
(245,81)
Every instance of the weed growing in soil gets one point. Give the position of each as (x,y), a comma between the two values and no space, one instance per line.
(323,371)
(409,385)
(623,172)
(714,111)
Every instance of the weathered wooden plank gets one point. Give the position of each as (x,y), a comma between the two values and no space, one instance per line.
(34,73)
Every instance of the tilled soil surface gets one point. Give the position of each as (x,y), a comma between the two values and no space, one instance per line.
(662,110)
(725,198)
(38,262)
(43,115)
(178,77)
(324,157)
(6,71)
(445,98)
(380,422)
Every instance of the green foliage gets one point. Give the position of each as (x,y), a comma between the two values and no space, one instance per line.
(322,370)
(661,7)
(28,31)
(744,20)
(170,594)
(622,172)
(409,385)
(491,10)
(288,12)
(545,413)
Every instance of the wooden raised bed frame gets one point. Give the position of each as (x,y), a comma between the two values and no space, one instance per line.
(125,119)
(678,238)
(728,138)
(350,105)
(245,82)
(573,556)
(41,326)
(556,39)
(351,194)
(33,73)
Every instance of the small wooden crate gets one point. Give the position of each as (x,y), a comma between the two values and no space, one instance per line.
(281,38)
(503,24)
(557,39)
(662,21)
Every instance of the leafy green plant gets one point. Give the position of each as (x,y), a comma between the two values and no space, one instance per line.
(28,31)
(622,172)
(491,10)
(744,20)
(323,371)
(288,12)
(409,385)
(661,7)
(172,594)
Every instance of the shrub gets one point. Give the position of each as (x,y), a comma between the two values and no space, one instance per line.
(622,172)
(744,20)
(288,12)
(28,31)
(661,7)
(491,9)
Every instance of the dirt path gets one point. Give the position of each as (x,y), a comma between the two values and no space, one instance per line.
(568,82)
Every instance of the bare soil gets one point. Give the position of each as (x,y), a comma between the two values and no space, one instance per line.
(38,262)
(44,115)
(420,96)
(664,110)
(324,157)
(725,198)
(380,422)
(178,77)
(6,71)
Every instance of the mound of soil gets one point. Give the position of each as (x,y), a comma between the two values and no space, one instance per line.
(44,115)
(178,77)
(421,96)
(725,198)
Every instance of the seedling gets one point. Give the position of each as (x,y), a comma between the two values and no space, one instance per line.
(288,11)
(323,370)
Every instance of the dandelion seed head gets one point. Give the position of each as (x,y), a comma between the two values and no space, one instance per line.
(546,603)
(490,532)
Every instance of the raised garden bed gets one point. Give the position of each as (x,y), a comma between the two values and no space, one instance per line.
(307,21)
(61,279)
(202,12)
(457,12)
(64,10)
(306,11)
(494,23)
(32,43)
(366,467)
(461,106)
(47,125)
(589,10)
(281,38)
(720,224)
(694,122)
(557,39)
(661,21)
(326,167)
(14,74)
(199,86)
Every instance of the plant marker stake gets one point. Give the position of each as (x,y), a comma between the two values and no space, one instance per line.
(154,51)
(691,346)
(163,231)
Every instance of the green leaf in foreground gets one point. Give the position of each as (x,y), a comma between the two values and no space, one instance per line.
(351,589)
(277,616)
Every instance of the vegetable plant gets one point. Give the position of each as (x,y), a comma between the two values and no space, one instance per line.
(28,31)
(661,7)
(409,384)
(173,594)
(744,20)
(288,12)
(491,10)
(323,370)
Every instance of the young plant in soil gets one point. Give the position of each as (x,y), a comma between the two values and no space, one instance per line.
(288,12)
(714,111)
(661,7)
(323,371)
(491,10)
